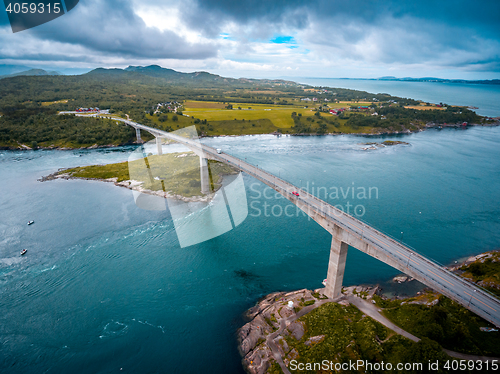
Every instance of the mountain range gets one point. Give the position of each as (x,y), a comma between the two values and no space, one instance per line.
(431,79)
(200,77)
(170,76)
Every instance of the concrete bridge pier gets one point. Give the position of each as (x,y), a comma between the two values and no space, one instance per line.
(158,146)
(204,177)
(336,267)
(138,135)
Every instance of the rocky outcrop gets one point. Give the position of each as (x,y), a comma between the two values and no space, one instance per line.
(265,319)
(263,340)
(314,340)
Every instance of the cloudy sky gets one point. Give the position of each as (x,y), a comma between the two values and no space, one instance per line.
(260,38)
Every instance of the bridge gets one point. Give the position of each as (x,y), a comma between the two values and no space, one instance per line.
(348,231)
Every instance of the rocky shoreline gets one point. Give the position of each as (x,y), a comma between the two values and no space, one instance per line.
(262,340)
(430,125)
(24,147)
(493,256)
(265,318)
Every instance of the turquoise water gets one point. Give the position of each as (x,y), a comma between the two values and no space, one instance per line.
(483,96)
(105,285)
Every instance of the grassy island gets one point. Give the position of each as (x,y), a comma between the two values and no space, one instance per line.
(174,173)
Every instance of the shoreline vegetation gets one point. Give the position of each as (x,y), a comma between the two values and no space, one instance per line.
(172,175)
(69,147)
(366,325)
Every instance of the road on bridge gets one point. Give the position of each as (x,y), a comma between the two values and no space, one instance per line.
(432,274)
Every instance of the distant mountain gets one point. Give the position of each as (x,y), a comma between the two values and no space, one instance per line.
(108,72)
(175,76)
(170,76)
(35,72)
(431,79)
(30,72)
(154,71)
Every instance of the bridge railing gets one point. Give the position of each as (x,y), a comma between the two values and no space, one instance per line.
(424,258)
(325,207)
(438,284)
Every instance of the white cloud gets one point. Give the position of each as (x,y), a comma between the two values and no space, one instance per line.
(332,40)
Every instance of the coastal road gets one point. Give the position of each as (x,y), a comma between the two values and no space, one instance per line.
(391,251)
(374,312)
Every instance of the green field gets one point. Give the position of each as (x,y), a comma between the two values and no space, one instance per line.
(250,118)
(245,126)
(280,116)
(238,127)
(46,103)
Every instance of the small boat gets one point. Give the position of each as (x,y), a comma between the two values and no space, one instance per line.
(31,222)
(23,252)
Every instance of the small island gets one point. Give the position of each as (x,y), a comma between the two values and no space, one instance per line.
(171,175)
(386,143)
(287,329)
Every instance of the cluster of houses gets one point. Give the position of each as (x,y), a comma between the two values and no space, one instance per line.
(86,110)
(336,112)
(315,99)
(172,106)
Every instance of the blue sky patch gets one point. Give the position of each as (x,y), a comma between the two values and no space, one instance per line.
(283,39)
